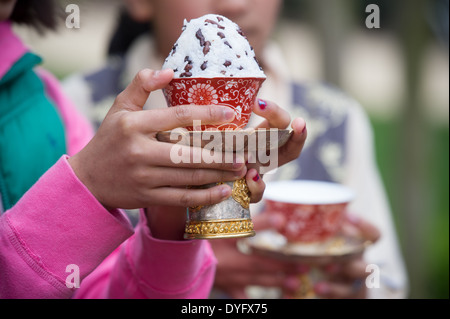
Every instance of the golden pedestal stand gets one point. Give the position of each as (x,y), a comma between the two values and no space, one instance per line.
(230,218)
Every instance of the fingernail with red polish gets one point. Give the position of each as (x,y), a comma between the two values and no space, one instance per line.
(262,104)
(256,178)
(304,130)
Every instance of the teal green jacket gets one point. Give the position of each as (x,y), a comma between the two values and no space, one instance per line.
(32,134)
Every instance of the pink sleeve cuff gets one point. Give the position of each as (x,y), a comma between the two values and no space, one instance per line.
(58,222)
(171,269)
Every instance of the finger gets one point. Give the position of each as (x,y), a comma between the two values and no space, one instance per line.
(355,269)
(194,177)
(275,116)
(292,149)
(267,220)
(352,270)
(261,264)
(366,229)
(172,196)
(166,119)
(136,93)
(256,185)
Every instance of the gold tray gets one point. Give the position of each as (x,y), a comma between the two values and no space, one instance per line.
(339,247)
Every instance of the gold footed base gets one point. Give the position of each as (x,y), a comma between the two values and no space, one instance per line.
(214,229)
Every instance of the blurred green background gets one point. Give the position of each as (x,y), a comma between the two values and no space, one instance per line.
(399,73)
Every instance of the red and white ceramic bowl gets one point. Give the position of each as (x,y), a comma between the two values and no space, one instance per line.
(236,93)
(314,210)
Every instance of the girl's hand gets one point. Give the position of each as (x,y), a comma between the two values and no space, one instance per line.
(276,117)
(347,280)
(168,222)
(124,166)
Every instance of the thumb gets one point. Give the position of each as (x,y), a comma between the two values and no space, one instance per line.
(267,220)
(366,229)
(133,98)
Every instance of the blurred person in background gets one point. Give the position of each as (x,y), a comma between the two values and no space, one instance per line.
(339,146)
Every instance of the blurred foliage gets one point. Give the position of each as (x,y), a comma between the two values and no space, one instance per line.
(437,240)
(434,281)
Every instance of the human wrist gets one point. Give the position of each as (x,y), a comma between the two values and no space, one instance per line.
(83,177)
(166,222)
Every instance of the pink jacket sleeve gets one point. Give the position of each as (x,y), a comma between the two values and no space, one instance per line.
(58,223)
(144,267)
